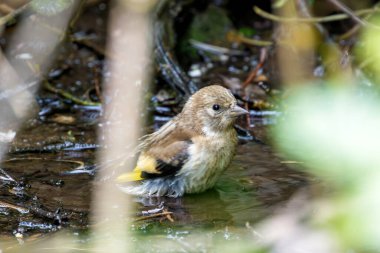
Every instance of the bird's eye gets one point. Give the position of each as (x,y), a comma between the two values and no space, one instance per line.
(216,107)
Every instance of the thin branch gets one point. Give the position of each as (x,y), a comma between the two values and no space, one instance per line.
(348,11)
(236,37)
(92,46)
(20,209)
(330,18)
(70,96)
(5,19)
(253,73)
(153,216)
(356,28)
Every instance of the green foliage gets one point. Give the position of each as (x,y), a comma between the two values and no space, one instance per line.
(368,50)
(319,126)
(336,133)
(247,31)
(50,7)
(211,26)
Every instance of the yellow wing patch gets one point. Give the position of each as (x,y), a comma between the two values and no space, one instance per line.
(144,164)
(147,164)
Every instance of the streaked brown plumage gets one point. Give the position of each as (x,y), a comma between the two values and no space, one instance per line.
(188,153)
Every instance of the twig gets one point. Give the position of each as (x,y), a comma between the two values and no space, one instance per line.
(169,217)
(214,49)
(349,33)
(11,15)
(20,209)
(33,209)
(79,163)
(251,76)
(166,213)
(236,37)
(253,73)
(330,18)
(356,28)
(67,95)
(92,46)
(348,11)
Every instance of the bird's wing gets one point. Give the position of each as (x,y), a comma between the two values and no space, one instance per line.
(159,161)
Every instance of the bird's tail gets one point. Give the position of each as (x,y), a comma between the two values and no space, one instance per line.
(133,176)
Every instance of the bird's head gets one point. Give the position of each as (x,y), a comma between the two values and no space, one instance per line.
(212,109)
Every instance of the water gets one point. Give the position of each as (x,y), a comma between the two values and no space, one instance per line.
(55,189)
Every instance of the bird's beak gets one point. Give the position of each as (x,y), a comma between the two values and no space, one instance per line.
(237,111)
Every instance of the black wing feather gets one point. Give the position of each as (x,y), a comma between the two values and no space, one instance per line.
(168,168)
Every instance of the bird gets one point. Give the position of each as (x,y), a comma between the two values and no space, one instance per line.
(188,153)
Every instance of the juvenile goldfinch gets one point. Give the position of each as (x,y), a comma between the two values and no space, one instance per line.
(188,153)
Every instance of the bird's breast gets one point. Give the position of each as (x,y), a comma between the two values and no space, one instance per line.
(208,158)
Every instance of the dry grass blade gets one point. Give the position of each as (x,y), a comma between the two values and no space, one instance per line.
(151,216)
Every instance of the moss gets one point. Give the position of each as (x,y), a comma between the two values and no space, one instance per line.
(210,26)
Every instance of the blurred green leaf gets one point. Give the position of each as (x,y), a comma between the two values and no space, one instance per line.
(354,218)
(50,7)
(334,132)
(368,50)
(247,31)
(279,3)
(210,26)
